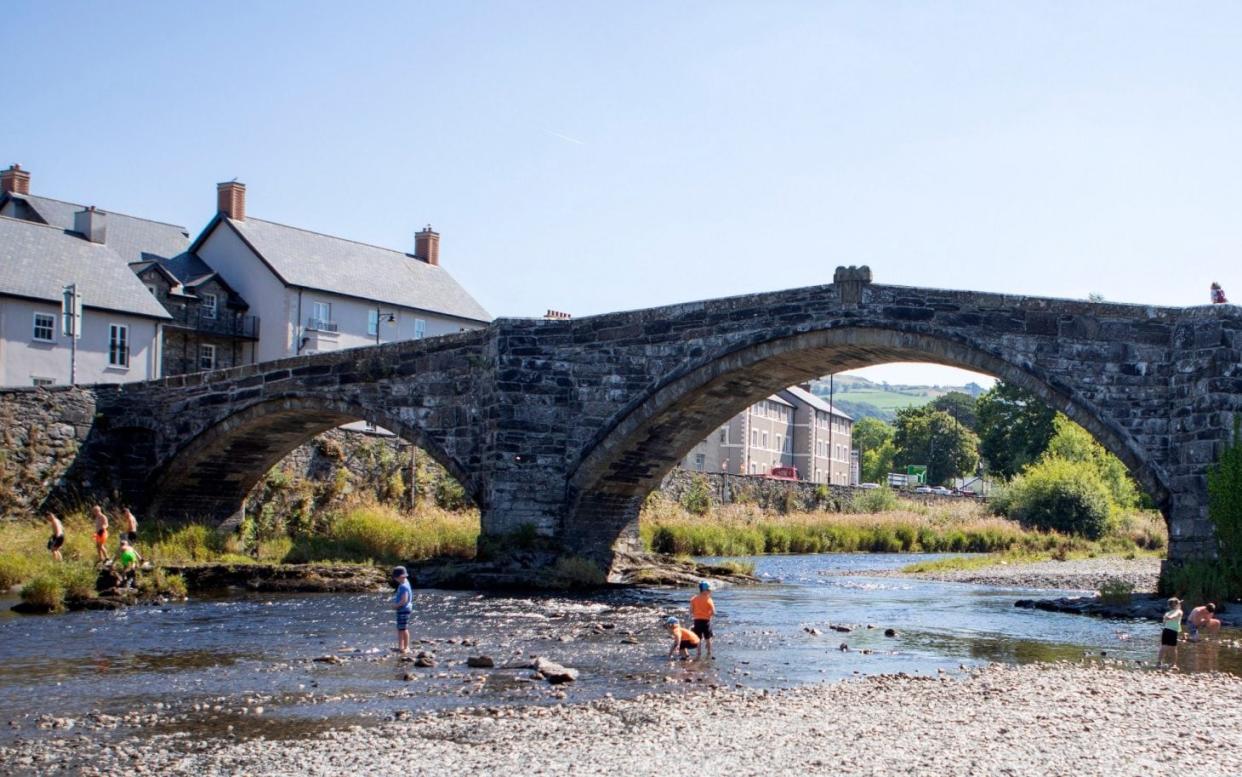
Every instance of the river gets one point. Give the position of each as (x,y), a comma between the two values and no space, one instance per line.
(206,665)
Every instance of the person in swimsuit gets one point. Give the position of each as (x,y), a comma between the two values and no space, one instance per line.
(702,610)
(130,532)
(57,539)
(1170,633)
(101,532)
(1201,617)
(683,639)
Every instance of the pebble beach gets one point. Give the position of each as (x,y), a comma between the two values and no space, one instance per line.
(1035,719)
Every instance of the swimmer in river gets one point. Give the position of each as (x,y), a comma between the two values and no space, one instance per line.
(1203,618)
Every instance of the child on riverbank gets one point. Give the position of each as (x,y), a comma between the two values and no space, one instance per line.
(125,567)
(101,533)
(702,610)
(683,639)
(403,603)
(1170,633)
(57,539)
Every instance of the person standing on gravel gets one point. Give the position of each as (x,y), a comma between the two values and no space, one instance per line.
(1170,633)
(702,610)
(403,603)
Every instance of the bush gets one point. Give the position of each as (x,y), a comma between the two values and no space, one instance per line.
(577,572)
(44,591)
(78,580)
(13,570)
(190,543)
(1059,495)
(159,582)
(697,497)
(1116,591)
(875,500)
(449,495)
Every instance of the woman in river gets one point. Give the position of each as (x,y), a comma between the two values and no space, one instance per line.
(1170,633)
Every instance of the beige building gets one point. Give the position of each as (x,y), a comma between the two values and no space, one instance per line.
(791,428)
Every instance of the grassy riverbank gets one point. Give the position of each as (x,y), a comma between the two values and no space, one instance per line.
(956,527)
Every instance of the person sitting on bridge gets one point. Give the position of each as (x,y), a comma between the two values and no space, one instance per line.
(1218,294)
(702,609)
(403,603)
(125,568)
(58,535)
(683,639)
(101,532)
(1201,618)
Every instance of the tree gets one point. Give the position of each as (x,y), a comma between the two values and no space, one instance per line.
(1014,428)
(874,440)
(1074,444)
(928,436)
(959,405)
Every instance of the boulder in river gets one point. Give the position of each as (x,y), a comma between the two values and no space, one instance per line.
(890,632)
(554,673)
(480,662)
(425,659)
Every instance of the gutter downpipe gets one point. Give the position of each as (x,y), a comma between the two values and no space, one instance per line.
(297,328)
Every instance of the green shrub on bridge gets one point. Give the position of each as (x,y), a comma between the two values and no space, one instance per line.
(1059,495)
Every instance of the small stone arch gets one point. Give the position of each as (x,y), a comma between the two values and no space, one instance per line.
(629,457)
(209,477)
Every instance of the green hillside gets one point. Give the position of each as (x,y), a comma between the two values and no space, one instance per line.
(862,398)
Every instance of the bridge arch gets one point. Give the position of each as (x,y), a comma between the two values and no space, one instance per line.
(629,457)
(209,477)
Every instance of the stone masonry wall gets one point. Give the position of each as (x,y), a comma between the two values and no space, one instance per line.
(771,494)
(41,431)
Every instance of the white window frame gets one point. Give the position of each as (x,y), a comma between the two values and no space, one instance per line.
(420,329)
(320,313)
(211,310)
(50,320)
(206,349)
(118,346)
(765,440)
(373,322)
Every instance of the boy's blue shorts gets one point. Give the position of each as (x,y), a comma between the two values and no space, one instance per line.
(403,620)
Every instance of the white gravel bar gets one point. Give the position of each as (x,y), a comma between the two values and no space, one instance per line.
(1077,575)
(1003,720)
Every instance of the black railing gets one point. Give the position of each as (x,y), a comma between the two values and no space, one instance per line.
(320,325)
(226,325)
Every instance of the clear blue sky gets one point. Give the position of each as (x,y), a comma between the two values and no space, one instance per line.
(593,157)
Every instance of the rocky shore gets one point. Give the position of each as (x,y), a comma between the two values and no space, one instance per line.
(1002,720)
(1078,575)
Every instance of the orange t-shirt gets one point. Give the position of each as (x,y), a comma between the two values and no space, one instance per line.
(702,607)
(686,635)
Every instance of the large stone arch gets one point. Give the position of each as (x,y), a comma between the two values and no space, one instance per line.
(209,477)
(628,458)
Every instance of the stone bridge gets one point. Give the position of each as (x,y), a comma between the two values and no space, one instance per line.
(567,425)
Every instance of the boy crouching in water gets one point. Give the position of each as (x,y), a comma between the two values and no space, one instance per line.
(403,603)
(683,639)
(702,610)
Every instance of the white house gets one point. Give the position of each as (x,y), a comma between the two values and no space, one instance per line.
(121,321)
(314,292)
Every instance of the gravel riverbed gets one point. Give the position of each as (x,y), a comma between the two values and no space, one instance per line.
(1078,575)
(1002,720)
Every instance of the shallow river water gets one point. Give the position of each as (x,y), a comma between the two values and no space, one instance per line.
(181,662)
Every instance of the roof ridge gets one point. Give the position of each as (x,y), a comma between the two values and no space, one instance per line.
(108,211)
(334,237)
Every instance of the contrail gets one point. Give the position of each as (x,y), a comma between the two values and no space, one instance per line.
(565,138)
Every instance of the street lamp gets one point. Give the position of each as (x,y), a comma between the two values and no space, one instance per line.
(382,315)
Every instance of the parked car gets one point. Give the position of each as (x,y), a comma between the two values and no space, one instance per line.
(783,473)
(966,492)
(868,485)
(942,491)
(923,490)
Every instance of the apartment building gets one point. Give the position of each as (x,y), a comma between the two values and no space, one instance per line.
(791,428)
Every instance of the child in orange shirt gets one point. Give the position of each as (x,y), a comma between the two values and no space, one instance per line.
(702,609)
(683,639)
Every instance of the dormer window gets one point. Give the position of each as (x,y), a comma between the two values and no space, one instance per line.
(209,305)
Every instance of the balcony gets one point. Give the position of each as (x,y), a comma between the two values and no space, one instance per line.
(245,327)
(320,325)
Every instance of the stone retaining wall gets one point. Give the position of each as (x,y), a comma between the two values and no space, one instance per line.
(41,431)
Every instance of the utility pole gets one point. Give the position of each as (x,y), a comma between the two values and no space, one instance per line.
(71,325)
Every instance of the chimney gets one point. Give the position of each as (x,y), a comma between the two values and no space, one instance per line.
(427,246)
(92,224)
(231,200)
(15,180)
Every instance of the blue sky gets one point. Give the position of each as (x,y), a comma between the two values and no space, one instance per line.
(591,157)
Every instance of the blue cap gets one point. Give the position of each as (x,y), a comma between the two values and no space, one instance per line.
(704,585)
(670,621)
(399,572)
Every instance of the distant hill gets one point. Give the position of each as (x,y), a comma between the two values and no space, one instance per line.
(863,398)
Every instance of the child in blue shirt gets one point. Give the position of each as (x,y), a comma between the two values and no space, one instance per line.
(403,603)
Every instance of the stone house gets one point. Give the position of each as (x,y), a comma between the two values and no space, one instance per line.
(316,292)
(791,428)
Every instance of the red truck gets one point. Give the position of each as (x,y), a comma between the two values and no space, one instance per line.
(783,473)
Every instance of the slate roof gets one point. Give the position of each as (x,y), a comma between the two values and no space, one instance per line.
(332,264)
(37,261)
(133,238)
(818,403)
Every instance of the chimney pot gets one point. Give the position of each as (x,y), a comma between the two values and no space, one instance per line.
(15,180)
(231,200)
(91,224)
(427,246)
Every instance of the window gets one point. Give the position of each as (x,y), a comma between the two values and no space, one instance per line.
(700,462)
(780,443)
(420,329)
(118,345)
(321,317)
(43,382)
(765,439)
(151,288)
(44,327)
(373,322)
(206,357)
(724,434)
(754,438)
(210,305)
